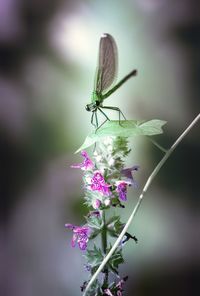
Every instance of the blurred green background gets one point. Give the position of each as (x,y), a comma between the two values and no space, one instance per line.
(48,55)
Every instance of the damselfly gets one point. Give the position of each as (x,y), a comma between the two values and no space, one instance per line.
(105,76)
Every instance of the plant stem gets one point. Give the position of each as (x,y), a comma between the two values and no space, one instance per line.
(157,145)
(148,183)
(104,245)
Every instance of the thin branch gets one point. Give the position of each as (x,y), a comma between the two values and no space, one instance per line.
(157,145)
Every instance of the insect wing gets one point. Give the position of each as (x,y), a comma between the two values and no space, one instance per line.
(107,64)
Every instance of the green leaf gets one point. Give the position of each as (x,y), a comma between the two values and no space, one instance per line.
(112,219)
(114,226)
(94,288)
(89,141)
(94,257)
(94,234)
(115,260)
(126,128)
(152,127)
(94,222)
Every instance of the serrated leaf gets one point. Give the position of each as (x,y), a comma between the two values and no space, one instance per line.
(126,128)
(94,288)
(94,257)
(114,226)
(112,219)
(94,222)
(152,127)
(115,260)
(95,233)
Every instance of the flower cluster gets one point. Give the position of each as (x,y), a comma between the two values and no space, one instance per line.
(98,184)
(106,183)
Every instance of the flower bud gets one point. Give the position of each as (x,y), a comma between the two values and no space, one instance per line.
(107,202)
(96,203)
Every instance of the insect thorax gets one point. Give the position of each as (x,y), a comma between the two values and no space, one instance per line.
(96,102)
(97,98)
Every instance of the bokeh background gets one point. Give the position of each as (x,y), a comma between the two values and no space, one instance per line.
(48,55)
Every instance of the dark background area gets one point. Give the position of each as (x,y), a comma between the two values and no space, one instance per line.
(48,54)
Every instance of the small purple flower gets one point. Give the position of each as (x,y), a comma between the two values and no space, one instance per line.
(98,184)
(80,235)
(122,189)
(128,174)
(87,267)
(120,286)
(87,163)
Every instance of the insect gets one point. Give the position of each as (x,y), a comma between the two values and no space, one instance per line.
(105,76)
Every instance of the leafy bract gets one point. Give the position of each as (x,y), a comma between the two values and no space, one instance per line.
(124,128)
(114,226)
(94,222)
(94,257)
(115,260)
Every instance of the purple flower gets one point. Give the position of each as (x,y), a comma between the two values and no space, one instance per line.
(117,289)
(80,235)
(87,163)
(120,286)
(122,189)
(98,184)
(128,174)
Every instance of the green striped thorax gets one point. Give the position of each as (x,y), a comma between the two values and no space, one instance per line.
(97,100)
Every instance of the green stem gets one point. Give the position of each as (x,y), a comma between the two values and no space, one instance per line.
(148,183)
(104,245)
(157,145)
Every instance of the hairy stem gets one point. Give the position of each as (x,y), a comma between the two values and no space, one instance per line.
(148,183)
(104,246)
(157,145)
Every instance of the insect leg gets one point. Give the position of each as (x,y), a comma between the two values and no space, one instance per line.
(96,119)
(115,109)
(97,124)
(92,119)
(107,118)
(101,124)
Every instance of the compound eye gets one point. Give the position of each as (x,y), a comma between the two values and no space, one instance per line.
(87,108)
